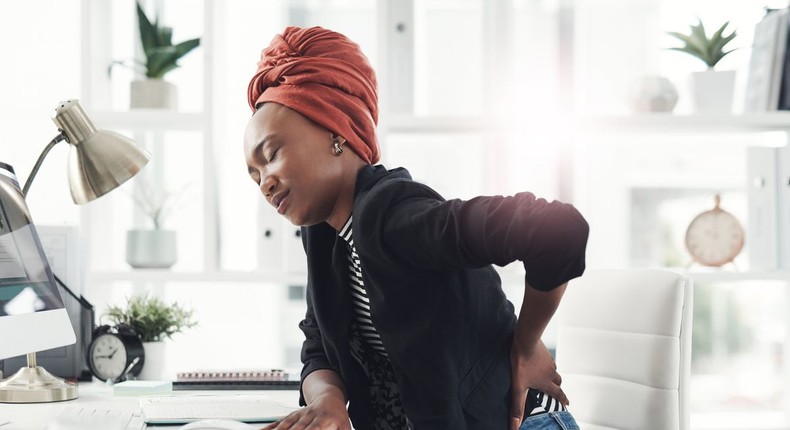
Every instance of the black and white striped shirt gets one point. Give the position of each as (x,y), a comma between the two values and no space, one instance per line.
(359,297)
(368,349)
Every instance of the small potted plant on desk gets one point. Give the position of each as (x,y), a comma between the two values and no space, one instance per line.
(161,56)
(155,321)
(712,89)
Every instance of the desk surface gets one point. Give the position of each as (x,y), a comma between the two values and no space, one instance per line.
(96,395)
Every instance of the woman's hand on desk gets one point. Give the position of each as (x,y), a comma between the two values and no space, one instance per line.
(323,413)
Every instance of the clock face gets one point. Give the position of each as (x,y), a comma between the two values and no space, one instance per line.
(714,237)
(108,356)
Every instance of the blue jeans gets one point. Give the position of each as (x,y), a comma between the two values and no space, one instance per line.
(561,420)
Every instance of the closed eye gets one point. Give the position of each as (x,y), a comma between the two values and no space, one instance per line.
(254,175)
(273,155)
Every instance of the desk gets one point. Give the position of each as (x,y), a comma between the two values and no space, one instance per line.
(96,395)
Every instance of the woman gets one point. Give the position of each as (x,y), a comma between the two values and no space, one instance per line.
(406,320)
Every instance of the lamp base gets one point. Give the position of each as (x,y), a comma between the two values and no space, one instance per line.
(35,385)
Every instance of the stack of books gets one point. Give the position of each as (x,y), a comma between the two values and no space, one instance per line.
(768,83)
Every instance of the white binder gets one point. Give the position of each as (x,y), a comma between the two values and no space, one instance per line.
(761,237)
(783,217)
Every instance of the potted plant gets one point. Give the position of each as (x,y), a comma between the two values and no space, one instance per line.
(712,90)
(155,247)
(155,321)
(161,56)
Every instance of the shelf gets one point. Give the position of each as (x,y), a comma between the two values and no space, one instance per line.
(516,277)
(164,275)
(637,123)
(728,276)
(150,120)
(658,122)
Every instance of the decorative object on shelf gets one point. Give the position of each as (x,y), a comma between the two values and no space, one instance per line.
(653,94)
(152,248)
(712,90)
(155,321)
(116,353)
(714,237)
(161,57)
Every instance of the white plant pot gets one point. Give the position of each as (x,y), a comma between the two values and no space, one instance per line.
(154,365)
(153,94)
(712,91)
(151,249)
(653,94)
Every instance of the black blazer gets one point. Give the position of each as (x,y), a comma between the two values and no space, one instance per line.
(435,299)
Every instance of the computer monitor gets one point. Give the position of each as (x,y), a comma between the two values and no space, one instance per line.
(32,315)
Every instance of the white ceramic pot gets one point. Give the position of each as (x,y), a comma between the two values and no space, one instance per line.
(151,249)
(653,94)
(153,94)
(712,91)
(153,368)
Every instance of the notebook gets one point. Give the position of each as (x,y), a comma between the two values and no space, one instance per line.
(250,408)
(253,379)
(252,375)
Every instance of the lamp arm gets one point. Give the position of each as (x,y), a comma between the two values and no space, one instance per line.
(55,140)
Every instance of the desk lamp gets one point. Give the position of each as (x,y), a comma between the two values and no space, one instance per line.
(99,161)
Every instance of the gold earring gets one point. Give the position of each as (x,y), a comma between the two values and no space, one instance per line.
(336,147)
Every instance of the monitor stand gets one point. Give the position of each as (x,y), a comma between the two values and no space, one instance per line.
(33,384)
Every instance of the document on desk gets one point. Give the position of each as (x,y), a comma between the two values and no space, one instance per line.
(250,408)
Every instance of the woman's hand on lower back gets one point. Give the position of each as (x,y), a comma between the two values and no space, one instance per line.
(532,367)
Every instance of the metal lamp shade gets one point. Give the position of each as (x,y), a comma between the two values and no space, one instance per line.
(99,160)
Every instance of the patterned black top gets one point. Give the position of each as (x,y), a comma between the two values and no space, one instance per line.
(368,349)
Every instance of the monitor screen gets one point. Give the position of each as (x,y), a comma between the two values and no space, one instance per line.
(32,315)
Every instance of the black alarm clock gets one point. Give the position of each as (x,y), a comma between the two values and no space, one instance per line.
(115,352)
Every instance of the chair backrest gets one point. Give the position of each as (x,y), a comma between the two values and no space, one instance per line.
(624,349)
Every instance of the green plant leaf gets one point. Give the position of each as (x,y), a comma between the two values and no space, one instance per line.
(148,33)
(717,43)
(184,47)
(698,32)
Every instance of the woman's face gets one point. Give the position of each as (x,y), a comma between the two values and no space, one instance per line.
(291,160)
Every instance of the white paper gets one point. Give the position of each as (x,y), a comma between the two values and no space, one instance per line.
(10,260)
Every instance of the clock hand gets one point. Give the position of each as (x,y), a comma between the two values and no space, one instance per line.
(108,356)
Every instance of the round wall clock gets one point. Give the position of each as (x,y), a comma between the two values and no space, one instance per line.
(714,237)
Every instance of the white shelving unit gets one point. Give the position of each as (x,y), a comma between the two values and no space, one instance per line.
(108,278)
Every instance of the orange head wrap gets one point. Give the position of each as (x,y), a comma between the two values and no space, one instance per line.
(325,77)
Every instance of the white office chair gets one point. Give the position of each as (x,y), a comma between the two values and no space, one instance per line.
(624,349)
